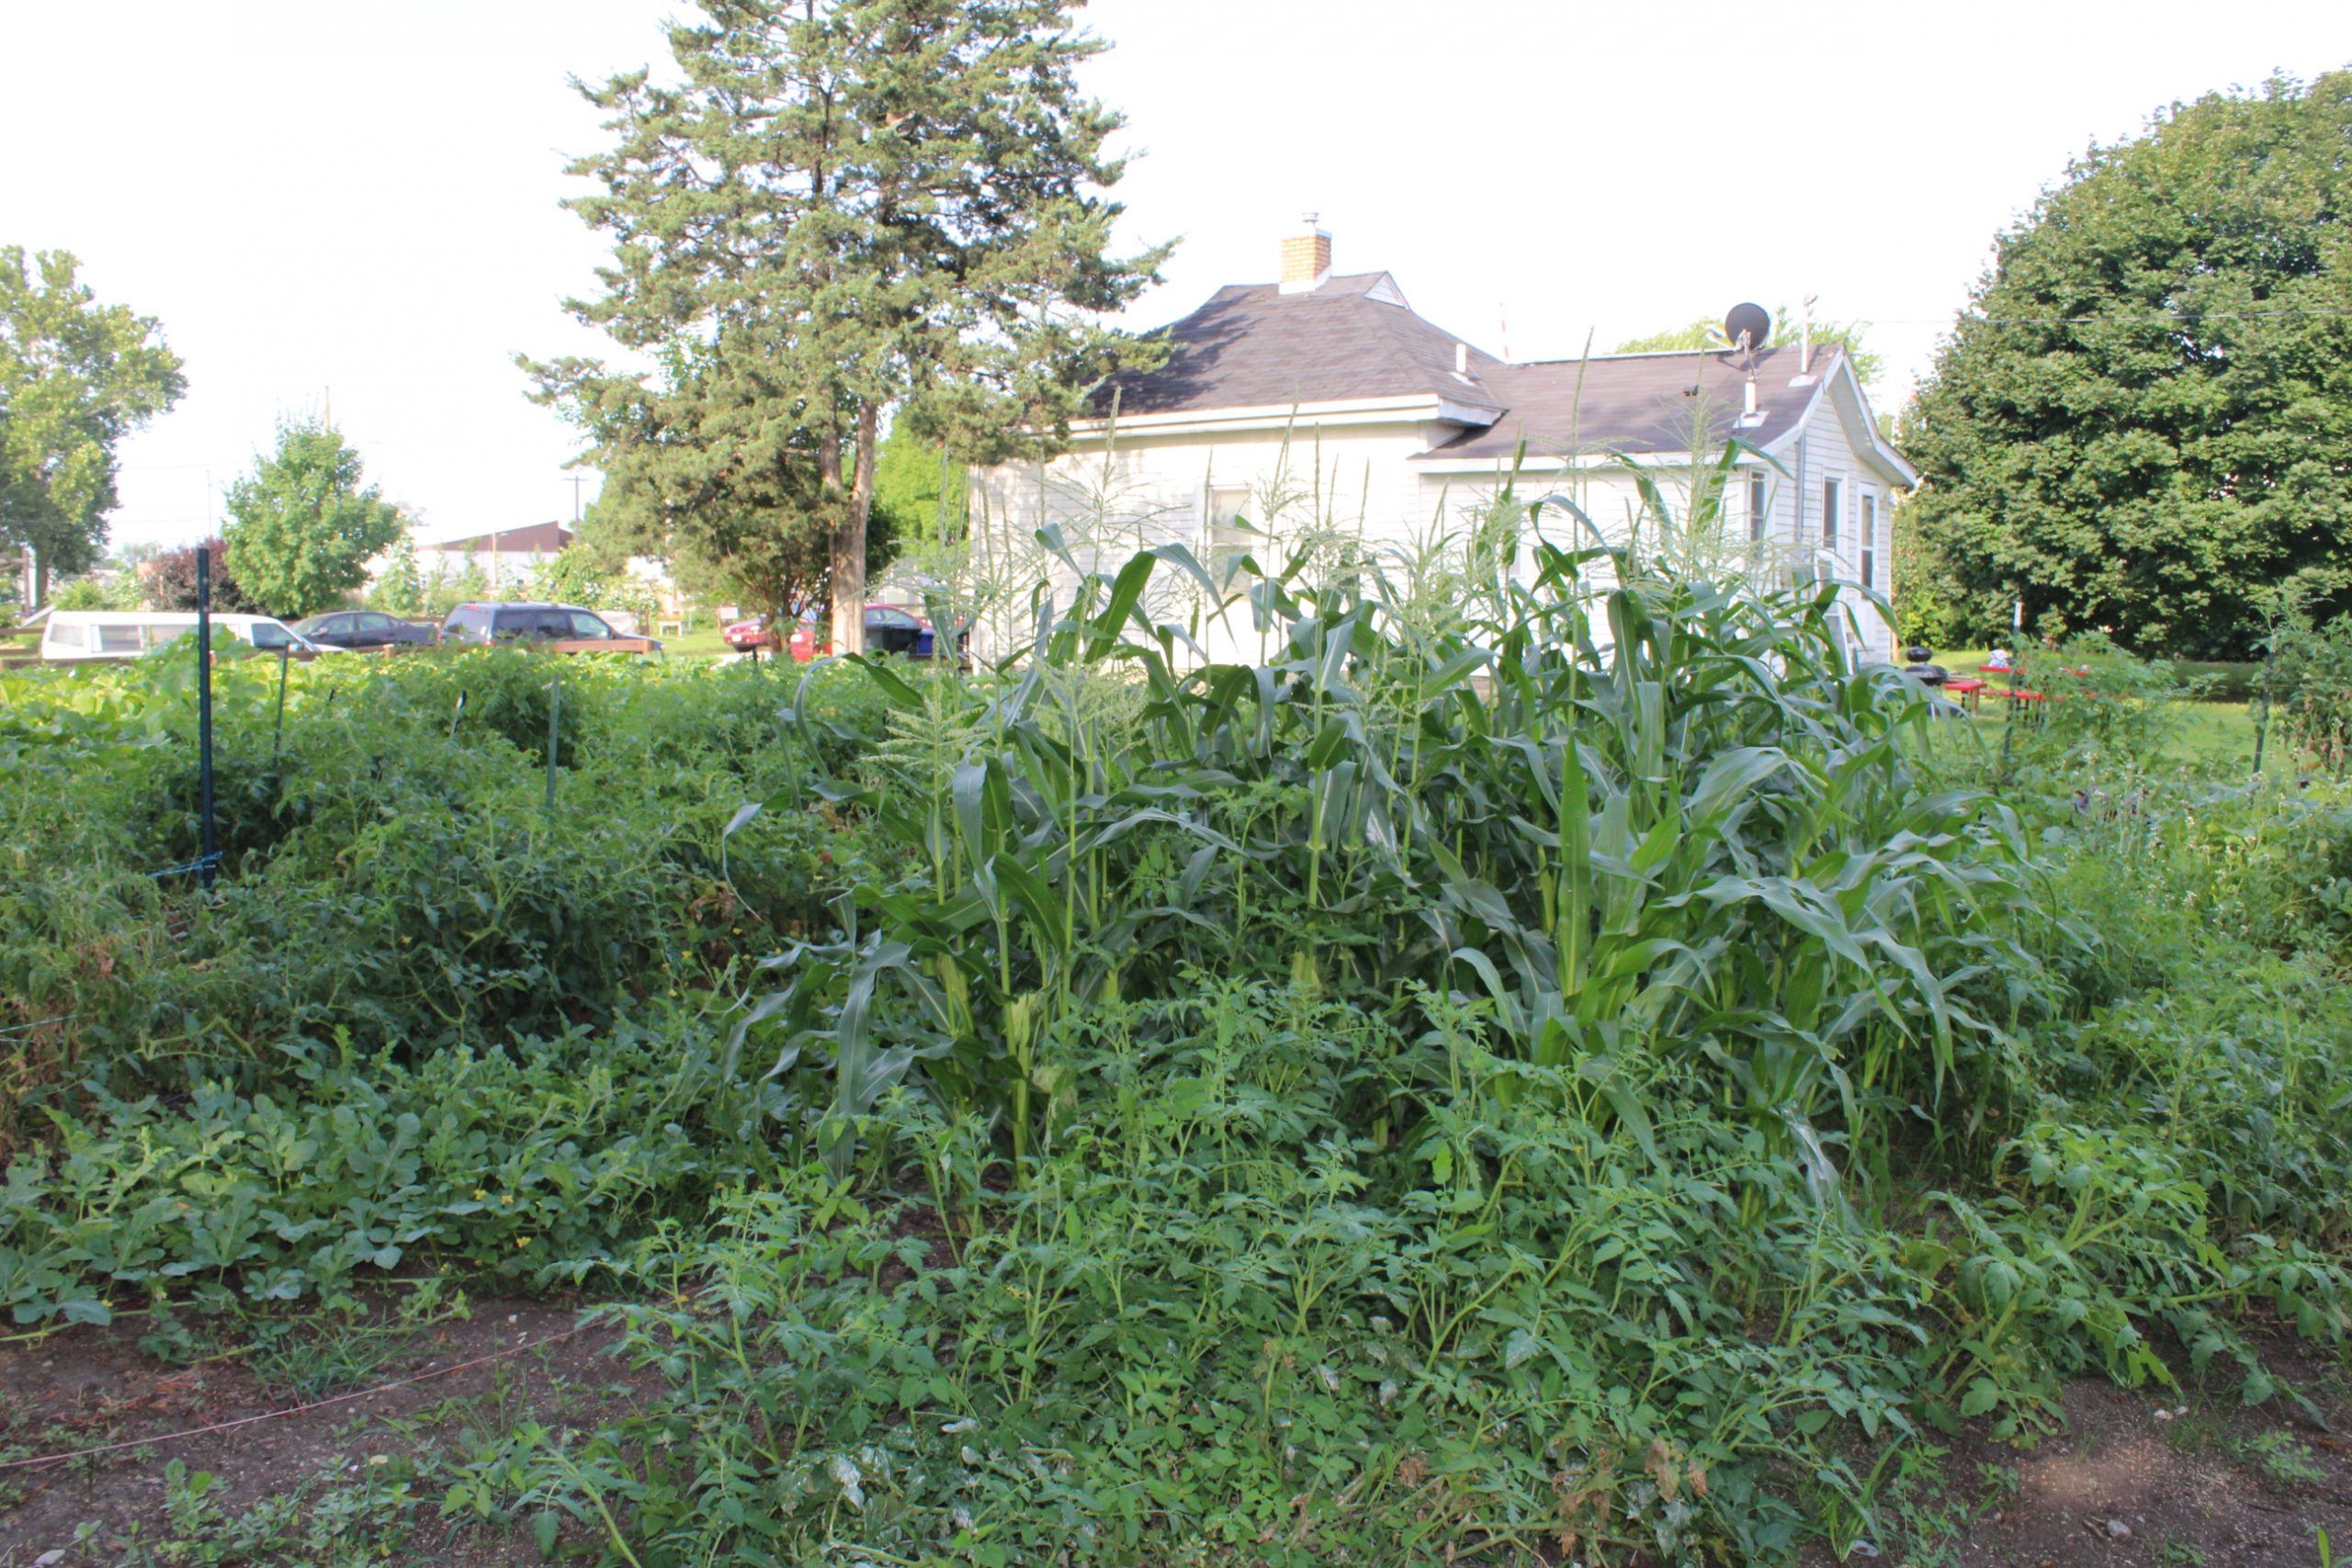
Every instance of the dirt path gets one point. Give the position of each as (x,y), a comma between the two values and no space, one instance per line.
(2134,1479)
(85,1388)
(2126,1480)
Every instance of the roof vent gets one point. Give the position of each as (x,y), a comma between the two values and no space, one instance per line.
(1307,256)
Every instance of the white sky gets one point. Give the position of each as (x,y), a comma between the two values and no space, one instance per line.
(330,197)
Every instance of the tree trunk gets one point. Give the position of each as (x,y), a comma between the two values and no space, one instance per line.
(847,631)
(849,534)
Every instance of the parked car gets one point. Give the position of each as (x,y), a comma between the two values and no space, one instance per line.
(365,629)
(561,628)
(890,628)
(745,636)
(74,635)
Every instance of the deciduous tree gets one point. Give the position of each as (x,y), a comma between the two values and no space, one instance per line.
(1705,332)
(75,377)
(172,585)
(303,524)
(2144,419)
(845,205)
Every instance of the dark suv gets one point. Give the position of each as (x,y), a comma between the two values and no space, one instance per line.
(568,627)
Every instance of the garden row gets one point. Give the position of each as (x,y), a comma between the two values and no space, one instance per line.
(1532,1067)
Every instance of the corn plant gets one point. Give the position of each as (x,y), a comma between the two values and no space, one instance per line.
(1657,820)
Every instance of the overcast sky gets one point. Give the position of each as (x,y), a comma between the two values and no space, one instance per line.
(328,199)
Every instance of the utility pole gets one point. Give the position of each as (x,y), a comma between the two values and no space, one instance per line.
(576,482)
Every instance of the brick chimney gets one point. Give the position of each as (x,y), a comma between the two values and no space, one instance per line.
(1307,256)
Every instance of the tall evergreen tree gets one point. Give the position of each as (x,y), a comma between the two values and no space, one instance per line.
(843,205)
(75,377)
(2143,422)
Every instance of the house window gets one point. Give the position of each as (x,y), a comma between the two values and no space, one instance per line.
(1227,536)
(1831,496)
(1870,540)
(1757,516)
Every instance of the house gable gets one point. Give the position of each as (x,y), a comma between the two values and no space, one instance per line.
(1352,340)
(1840,392)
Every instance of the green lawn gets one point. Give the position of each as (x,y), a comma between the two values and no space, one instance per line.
(2212,731)
(703,642)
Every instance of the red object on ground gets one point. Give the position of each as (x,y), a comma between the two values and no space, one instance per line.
(2020,694)
(751,633)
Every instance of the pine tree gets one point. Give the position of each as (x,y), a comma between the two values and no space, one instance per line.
(847,204)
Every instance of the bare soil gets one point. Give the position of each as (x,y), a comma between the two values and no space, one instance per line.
(2145,1478)
(85,1388)
(2126,1479)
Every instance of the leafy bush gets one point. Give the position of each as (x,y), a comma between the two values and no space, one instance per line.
(1213,1322)
(533,1163)
(2311,686)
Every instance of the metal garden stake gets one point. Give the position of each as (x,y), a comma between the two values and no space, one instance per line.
(555,709)
(204,709)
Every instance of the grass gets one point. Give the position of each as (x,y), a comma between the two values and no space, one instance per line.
(2216,734)
(704,642)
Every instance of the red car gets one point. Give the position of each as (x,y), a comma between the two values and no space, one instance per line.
(744,635)
(889,629)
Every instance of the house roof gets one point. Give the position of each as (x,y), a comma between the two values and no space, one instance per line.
(1637,403)
(1254,347)
(1251,345)
(532,538)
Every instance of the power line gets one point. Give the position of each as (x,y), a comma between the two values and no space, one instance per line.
(2174,318)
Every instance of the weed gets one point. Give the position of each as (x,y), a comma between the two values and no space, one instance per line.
(347,1347)
(2282,1461)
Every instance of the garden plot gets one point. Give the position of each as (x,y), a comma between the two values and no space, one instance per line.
(1531,1071)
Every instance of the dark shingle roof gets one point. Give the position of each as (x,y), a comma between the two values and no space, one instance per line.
(532,538)
(1638,403)
(1254,346)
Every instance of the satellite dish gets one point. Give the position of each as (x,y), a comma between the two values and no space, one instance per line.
(1752,321)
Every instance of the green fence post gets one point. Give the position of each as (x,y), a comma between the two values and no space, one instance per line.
(555,709)
(204,710)
(277,742)
(2262,711)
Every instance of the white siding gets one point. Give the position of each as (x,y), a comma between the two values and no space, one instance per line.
(1150,488)
(1829,448)
(1358,481)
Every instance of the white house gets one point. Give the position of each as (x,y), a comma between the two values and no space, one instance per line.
(1323,401)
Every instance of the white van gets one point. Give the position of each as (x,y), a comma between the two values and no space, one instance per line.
(71,636)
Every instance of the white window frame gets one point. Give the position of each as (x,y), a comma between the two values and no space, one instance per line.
(1833,501)
(1760,507)
(1868,501)
(1219,539)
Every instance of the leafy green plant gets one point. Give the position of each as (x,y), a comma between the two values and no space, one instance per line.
(2282,1461)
